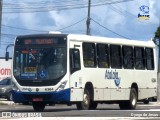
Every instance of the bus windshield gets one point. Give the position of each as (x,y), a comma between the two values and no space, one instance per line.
(39,63)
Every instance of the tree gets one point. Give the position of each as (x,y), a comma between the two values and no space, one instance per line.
(157,36)
(157,42)
(157,33)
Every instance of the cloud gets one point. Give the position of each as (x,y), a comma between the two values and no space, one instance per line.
(120,18)
(29,20)
(154,12)
(60,19)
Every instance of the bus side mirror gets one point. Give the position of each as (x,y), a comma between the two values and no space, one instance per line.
(7,53)
(7,56)
(74,60)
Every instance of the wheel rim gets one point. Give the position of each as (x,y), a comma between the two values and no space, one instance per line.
(86,100)
(134,99)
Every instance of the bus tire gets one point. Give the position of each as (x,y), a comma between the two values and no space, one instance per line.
(85,104)
(122,105)
(38,106)
(9,97)
(93,105)
(131,104)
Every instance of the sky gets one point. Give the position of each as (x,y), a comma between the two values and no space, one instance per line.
(109,18)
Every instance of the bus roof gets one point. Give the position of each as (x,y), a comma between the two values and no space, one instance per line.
(96,39)
(119,41)
(40,35)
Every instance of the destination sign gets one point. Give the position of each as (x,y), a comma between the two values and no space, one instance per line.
(40,41)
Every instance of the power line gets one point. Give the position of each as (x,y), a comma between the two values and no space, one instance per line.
(24,28)
(108,29)
(64,7)
(8,34)
(47,4)
(42,30)
(125,13)
(71,24)
(13,35)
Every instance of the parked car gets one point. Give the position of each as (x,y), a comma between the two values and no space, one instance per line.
(147,100)
(6,88)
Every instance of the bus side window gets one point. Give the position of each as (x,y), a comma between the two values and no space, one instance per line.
(128,61)
(149,59)
(74,60)
(115,56)
(139,58)
(102,55)
(89,55)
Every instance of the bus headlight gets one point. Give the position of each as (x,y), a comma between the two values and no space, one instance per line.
(3,90)
(62,86)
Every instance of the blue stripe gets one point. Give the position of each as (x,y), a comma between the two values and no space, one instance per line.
(61,96)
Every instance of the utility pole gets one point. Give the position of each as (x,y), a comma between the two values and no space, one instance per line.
(158,74)
(158,79)
(88,18)
(0,19)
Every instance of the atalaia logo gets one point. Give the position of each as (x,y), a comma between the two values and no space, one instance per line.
(113,75)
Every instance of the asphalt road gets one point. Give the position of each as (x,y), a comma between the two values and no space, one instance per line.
(149,111)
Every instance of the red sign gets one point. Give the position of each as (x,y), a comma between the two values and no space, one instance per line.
(39,41)
(44,41)
(5,71)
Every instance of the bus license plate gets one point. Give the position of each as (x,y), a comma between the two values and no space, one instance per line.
(37,99)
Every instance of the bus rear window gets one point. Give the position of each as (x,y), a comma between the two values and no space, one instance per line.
(149,59)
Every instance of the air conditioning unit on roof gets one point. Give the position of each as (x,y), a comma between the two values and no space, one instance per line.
(54,32)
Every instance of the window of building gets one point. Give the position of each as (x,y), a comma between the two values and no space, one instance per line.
(149,58)
(139,58)
(115,56)
(89,55)
(102,55)
(128,62)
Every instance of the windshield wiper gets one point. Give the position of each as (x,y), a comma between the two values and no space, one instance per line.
(32,56)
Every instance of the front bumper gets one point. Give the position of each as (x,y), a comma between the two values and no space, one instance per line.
(47,97)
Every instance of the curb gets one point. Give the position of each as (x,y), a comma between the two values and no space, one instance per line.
(7,103)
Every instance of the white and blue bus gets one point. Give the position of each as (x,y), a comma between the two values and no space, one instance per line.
(82,70)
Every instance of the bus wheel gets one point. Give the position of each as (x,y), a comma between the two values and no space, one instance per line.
(93,105)
(85,104)
(131,104)
(10,97)
(122,105)
(38,106)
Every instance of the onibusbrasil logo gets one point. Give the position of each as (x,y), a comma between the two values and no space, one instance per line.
(143,13)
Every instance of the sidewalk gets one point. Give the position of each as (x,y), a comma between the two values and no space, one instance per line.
(6,102)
